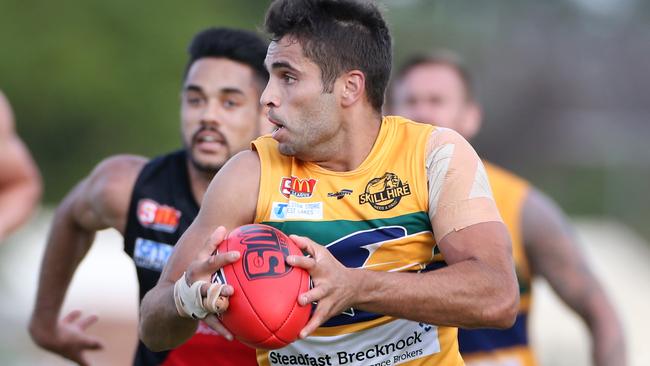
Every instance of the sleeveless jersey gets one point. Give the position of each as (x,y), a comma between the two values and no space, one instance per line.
(374,217)
(508,347)
(162,207)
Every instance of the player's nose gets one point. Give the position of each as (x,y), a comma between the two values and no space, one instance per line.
(211,112)
(269,97)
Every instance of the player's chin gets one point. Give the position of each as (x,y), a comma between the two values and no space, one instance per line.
(209,162)
(287,149)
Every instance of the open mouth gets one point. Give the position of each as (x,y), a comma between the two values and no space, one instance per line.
(278,125)
(209,140)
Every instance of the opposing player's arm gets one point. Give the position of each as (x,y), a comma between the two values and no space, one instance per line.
(230,201)
(478,288)
(20,182)
(100,201)
(554,254)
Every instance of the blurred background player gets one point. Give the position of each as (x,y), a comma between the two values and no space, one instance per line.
(438,89)
(152,202)
(20,181)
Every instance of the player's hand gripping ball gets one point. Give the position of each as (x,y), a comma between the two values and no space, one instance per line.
(263,311)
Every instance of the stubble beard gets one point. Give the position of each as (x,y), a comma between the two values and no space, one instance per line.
(210,169)
(203,167)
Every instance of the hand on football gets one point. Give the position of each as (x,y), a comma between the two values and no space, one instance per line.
(333,287)
(206,263)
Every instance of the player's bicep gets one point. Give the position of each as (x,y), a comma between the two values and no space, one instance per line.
(230,201)
(551,246)
(459,192)
(488,242)
(102,199)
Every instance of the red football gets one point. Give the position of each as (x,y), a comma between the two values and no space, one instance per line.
(264,310)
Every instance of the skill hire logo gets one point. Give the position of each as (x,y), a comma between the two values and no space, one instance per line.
(385,192)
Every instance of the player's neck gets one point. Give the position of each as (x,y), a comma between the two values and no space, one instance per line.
(354,142)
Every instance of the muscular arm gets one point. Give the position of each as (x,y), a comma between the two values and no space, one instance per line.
(478,288)
(98,202)
(554,254)
(230,201)
(20,182)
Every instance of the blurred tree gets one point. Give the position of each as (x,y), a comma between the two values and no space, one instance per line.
(564,84)
(88,79)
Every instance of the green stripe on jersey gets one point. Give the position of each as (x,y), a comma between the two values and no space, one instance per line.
(325,232)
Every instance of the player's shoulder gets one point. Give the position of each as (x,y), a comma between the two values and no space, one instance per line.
(115,175)
(247,161)
(235,186)
(447,142)
(407,124)
(121,164)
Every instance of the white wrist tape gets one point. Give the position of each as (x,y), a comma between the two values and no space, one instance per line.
(188,299)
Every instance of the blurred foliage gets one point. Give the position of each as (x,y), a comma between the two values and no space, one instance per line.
(89,79)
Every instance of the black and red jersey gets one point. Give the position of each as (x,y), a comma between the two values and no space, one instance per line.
(162,207)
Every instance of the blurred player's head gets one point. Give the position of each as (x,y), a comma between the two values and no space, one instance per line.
(436,89)
(326,57)
(220,110)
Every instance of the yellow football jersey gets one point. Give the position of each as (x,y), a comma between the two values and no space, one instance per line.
(374,217)
(509,347)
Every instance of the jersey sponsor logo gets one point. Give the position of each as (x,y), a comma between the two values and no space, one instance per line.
(151,254)
(265,254)
(299,188)
(394,343)
(340,194)
(155,216)
(385,192)
(297,211)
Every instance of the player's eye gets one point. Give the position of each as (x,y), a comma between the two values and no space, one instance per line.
(229,103)
(194,101)
(288,79)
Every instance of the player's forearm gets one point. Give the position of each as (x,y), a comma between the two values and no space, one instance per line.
(467,294)
(67,245)
(160,327)
(608,341)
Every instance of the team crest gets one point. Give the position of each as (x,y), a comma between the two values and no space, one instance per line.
(265,253)
(299,188)
(385,192)
(155,216)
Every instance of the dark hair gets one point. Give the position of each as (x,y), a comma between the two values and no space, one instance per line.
(237,45)
(338,36)
(441,57)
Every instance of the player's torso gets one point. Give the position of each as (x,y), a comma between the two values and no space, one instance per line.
(374,217)
(508,347)
(162,207)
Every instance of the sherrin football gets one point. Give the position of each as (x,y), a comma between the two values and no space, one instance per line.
(263,311)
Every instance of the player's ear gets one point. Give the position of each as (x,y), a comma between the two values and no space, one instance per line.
(473,119)
(353,84)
